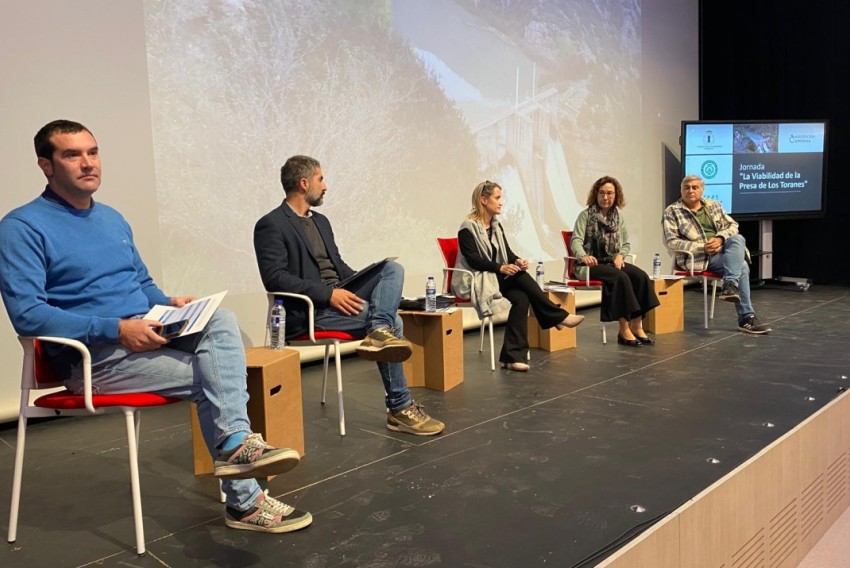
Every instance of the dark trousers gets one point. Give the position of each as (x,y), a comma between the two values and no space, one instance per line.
(626,293)
(523,292)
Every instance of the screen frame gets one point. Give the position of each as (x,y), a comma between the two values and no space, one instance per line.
(769,215)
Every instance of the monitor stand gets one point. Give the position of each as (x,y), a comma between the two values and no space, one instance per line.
(766,264)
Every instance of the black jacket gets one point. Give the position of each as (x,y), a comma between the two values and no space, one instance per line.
(287,263)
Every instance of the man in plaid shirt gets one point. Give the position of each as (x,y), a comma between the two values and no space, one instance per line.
(701,227)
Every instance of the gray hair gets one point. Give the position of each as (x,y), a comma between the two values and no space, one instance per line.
(691,178)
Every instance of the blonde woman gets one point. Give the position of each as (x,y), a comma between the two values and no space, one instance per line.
(500,279)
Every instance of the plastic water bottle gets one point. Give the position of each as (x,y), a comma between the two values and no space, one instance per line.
(277,325)
(538,276)
(430,295)
(656,267)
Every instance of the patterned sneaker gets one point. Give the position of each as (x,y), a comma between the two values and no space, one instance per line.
(268,515)
(729,292)
(382,345)
(413,420)
(751,324)
(255,458)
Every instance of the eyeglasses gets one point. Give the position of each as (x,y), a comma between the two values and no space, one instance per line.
(693,186)
(607,193)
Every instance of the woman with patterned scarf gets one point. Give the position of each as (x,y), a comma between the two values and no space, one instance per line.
(600,244)
(498,279)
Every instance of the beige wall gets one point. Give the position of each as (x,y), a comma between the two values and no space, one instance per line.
(83,61)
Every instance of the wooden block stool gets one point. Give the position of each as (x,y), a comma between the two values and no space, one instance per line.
(437,339)
(551,339)
(669,317)
(274,407)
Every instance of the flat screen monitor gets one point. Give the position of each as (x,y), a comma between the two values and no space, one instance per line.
(759,169)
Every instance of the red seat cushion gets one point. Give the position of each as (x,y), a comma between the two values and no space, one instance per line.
(583,283)
(65,400)
(340,335)
(706,273)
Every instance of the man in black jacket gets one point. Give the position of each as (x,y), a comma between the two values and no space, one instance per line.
(296,252)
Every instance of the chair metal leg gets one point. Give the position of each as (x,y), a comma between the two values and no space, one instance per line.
(17,478)
(604,334)
(137,425)
(705,301)
(481,344)
(492,349)
(221,496)
(713,297)
(132,420)
(338,364)
(325,371)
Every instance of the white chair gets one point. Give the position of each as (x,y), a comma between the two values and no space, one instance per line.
(330,339)
(37,374)
(705,276)
(586,284)
(449,249)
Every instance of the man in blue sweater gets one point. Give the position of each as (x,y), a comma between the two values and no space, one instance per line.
(69,268)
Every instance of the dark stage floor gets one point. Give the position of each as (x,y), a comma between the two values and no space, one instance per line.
(536,469)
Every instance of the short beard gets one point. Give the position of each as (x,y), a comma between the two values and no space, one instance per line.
(315,201)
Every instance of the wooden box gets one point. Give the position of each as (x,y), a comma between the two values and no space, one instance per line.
(437,338)
(551,339)
(669,317)
(274,407)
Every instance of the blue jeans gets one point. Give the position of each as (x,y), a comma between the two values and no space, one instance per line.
(382,293)
(207,368)
(731,262)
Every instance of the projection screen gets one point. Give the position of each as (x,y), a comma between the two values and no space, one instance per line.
(408,104)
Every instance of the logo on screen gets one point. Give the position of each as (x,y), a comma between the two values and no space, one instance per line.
(708,138)
(801,138)
(708,169)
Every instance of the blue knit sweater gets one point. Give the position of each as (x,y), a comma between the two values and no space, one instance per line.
(72,272)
